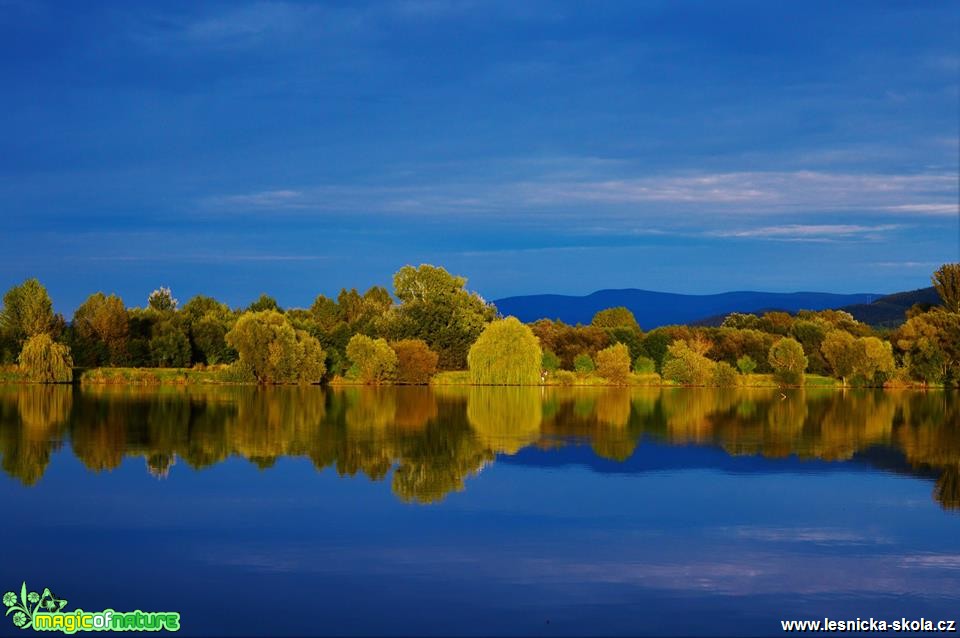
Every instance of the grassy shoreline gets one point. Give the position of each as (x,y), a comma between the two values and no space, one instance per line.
(224,375)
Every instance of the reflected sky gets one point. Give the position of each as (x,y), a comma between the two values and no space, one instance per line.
(411,511)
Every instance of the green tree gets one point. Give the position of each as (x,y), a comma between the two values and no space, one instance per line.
(725,376)
(875,361)
(200,306)
(657,343)
(274,351)
(583,364)
(506,353)
(43,360)
(375,360)
(550,361)
(729,344)
(27,311)
(416,362)
(569,341)
(811,334)
(947,282)
(930,346)
(264,302)
(436,307)
(839,348)
(613,363)
(162,300)
(618,317)
(206,322)
(208,337)
(741,321)
(777,322)
(644,365)
(169,345)
(364,313)
(101,328)
(788,361)
(686,363)
(326,313)
(746,364)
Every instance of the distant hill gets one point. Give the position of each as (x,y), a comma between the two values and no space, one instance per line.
(653,309)
(890,310)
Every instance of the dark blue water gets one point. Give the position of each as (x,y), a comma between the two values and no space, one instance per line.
(408,512)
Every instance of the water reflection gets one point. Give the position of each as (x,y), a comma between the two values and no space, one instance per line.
(435,439)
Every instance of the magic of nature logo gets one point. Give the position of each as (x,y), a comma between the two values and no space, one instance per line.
(45,612)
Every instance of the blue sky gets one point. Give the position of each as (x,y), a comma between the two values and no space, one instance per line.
(289,147)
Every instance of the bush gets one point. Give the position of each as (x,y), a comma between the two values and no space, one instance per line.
(550,361)
(375,360)
(583,364)
(416,362)
(688,366)
(43,360)
(725,376)
(788,361)
(274,351)
(644,365)
(564,377)
(506,353)
(613,363)
(236,372)
(746,364)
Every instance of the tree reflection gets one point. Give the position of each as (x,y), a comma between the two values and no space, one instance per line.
(429,441)
(32,420)
(506,419)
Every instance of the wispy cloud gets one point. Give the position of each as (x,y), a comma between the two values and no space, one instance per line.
(811,191)
(813,535)
(214,257)
(810,232)
(929,265)
(261,199)
(800,192)
(929,209)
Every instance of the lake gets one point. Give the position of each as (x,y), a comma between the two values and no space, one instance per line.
(477,511)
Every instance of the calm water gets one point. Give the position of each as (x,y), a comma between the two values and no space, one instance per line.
(484,510)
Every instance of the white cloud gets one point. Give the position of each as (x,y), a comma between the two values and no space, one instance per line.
(929,209)
(749,193)
(809,232)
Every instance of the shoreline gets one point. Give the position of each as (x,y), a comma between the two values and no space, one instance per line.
(172,377)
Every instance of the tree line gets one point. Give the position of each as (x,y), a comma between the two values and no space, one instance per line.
(431,322)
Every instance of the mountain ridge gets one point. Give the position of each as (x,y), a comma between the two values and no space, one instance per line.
(655,308)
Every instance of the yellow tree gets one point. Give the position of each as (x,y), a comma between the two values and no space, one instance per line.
(506,353)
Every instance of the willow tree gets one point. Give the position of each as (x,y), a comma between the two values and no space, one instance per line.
(506,353)
(26,311)
(43,360)
(505,420)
